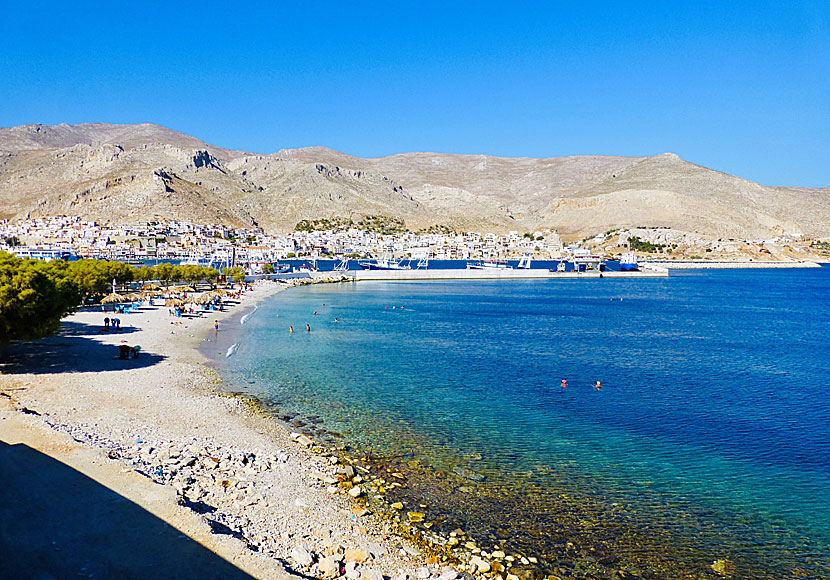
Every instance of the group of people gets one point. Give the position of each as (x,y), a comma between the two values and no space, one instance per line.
(597,385)
(114,324)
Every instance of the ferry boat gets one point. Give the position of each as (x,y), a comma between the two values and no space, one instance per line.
(489,265)
(628,262)
(45,254)
(384,264)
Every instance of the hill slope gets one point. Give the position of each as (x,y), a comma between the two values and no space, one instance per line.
(134,173)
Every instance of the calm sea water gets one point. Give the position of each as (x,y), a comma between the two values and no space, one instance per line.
(712,427)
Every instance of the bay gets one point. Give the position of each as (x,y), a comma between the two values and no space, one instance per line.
(711,431)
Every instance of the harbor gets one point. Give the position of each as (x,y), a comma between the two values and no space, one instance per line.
(486,274)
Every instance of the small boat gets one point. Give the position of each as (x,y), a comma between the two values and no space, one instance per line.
(560,267)
(628,262)
(489,265)
(524,263)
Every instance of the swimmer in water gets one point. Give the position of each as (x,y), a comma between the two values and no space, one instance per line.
(290,330)
(307,328)
(564,383)
(598,386)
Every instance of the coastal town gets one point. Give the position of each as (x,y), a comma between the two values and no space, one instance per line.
(71,237)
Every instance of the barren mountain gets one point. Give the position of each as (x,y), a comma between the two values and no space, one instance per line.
(134,173)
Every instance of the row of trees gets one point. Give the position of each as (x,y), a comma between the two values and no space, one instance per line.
(35,295)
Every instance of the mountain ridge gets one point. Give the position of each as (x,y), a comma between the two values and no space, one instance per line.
(130,173)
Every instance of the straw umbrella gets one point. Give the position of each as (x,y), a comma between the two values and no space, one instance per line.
(149,287)
(110,298)
(174,302)
(182,288)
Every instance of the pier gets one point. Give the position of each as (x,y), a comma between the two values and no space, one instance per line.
(490,274)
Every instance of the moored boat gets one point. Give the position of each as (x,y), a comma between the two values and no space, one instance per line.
(489,265)
(628,262)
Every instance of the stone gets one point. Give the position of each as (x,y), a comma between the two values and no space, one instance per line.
(351,571)
(302,557)
(724,567)
(416,517)
(305,441)
(356,555)
(468,474)
(346,471)
(447,573)
(372,574)
(422,573)
(356,491)
(329,566)
(512,577)
(397,505)
(479,565)
(498,555)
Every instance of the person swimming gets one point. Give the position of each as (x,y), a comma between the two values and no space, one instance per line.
(290,330)
(564,383)
(598,386)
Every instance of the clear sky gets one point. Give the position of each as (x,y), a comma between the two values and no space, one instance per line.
(738,86)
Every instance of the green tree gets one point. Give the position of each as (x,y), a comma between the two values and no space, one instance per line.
(34,296)
(236,274)
(268,268)
(163,272)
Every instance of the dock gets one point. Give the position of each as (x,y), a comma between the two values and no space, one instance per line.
(492,274)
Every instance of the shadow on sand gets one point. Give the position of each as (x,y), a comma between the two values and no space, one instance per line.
(80,329)
(65,353)
(56,522)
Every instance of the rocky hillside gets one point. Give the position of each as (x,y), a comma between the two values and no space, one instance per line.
(134,173)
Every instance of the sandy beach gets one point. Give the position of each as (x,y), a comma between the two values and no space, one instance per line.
(153,437)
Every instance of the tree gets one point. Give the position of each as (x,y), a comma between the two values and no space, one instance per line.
(236,274)
(268,268)
(163,272)
(34,296)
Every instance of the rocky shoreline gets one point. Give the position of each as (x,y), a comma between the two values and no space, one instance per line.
(160,416)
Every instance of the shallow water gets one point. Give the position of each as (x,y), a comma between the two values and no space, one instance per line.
(711,430)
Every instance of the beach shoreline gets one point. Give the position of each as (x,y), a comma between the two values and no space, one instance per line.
(272,511)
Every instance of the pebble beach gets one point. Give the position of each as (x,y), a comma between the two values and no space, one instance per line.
(229,477)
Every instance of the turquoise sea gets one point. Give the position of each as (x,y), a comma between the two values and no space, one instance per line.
(709,439)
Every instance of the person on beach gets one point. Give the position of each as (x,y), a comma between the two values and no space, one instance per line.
(215,326)
(107,323)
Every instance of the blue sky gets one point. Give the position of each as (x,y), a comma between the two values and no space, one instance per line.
(741,87)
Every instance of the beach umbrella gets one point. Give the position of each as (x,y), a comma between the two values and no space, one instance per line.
(110,298)
(220,292)
(148,287)
(182,288)
(203,299)
(174,302)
